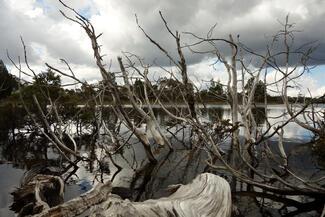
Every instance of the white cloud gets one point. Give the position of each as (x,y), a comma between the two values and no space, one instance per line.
(49,36)
(304,85)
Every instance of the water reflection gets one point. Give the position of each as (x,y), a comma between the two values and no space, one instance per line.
(9,180)
(132,175)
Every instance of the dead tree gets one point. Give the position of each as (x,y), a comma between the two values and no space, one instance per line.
(272,180)
(206,195)
(276,180)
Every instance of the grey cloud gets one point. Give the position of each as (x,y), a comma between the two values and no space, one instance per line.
(15,24)
(234,17)
(246,18)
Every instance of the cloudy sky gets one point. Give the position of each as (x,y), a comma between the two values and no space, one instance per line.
(49,36)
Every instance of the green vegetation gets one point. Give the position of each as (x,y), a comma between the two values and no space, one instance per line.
(259,91)
(8,83)
(47,86)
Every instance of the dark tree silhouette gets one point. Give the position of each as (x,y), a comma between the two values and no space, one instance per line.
(260,89)
(8,83)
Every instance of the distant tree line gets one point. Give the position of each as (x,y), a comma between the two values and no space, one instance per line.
(49,85)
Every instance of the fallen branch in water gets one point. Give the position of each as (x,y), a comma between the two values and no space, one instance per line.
(80,204)
(207,195)
(37,193)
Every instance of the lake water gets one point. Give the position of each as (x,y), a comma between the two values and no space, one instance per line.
(134,177)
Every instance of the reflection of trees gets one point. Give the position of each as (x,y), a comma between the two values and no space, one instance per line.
(152,180)
(26,150)
(259,114)
(203,135)
(319,151)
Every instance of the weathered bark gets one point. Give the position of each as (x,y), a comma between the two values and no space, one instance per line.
(37,193)
(151,121)
(234,92)
(287,34)
(206,195)
(80,204)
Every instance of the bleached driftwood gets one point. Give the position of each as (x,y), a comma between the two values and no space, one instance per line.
(36,193)
(80,204)
(207,195)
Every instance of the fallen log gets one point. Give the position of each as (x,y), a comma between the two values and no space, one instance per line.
(39,193)
(80,204)
(207,195)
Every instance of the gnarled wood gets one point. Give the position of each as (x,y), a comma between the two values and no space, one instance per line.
(80,204)
(37,193)
(207,195)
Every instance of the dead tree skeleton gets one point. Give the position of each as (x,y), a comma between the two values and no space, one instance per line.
(203,131)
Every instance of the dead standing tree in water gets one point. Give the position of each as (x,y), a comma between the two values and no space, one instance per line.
(270,180)
(313,117)
(110,85)
(279,179)
(179,64)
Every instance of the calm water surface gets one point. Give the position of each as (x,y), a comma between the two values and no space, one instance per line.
(139,180)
